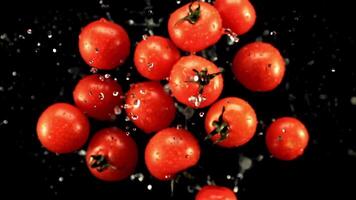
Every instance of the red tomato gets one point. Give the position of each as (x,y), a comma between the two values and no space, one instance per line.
(195,26)
(230,122)
(286,138)
(98,96)
(149,106)
(171,151)
(237,15)
(195,81)
(104,44)
(62,128)
(155,57)
(111,155)
(210,192)
(259,66)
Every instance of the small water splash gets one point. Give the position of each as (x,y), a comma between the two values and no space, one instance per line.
(197,100)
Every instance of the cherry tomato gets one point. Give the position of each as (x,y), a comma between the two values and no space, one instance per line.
(259,66)
(195,81)
(98,96)
(149,106)
(112,155)
(171,151)
(155,57)
(237,15)
(230,122)
(62,128)
(195,26)
(104,44)
(286,138)
(210,192)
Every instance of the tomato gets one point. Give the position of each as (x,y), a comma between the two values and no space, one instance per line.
(112,155)
(212,192)
(155,56)
(237,15)
(171,151)
(98,96)
(104,44)
(195,26)
(149,106)
(230,122)
(62,128)
(195,81)
(259,66)
(286,138)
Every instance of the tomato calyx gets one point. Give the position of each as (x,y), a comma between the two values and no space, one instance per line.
(99,162)
(221,128)
(203,78)
(193,14)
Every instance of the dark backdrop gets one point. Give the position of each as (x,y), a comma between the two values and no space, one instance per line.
(40,64)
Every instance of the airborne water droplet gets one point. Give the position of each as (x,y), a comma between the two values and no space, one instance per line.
(29,31)
(117,110)
(107,76)
(144,37)
(201,114)
(93,70)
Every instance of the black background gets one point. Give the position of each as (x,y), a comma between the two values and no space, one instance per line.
(316,39)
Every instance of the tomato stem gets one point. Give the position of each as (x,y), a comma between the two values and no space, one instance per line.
(99,162)
(193,15)
(221,128)
(203,78)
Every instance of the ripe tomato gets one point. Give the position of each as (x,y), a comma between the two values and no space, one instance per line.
(149,106)
(171,151)
(237,15)
(286,138)
(210,192)
(111,155)
(195,81)
(259,66)
(195,26)
(155,57)
(104,44)
(62,128)
(98,96)
(230,122)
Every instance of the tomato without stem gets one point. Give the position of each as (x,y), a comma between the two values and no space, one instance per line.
(155,56)
(112,155)
(98,96)
(259,66)
(195,81)
(171,151)
(149,107)
(104,44)
(195,26)
(212,192)
(286,138)
(230,122)
(62,128)
(237,15)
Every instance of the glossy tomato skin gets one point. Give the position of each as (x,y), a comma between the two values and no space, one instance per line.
(237,15)
(171,151)
(212,192)
(98,96)
(287,138)
(198,36)
(186,91)
(155,56)
(149,107)
(259,66)
(119,151)
(62,128)
(240,118)
(104,44)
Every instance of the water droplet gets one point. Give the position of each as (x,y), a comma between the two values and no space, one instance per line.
(196,100)
(178,2)
(49,35)
(91,62)
(283,130)
(60,179)
(93,70)
(179,126)
(115,93)
(144,37)
(136,103)
(236,189)
(150,66)
(245,163)
(260,133)
(102,78)
(107,76)
(131,22)
(29,31)
(201,114)
(96,50)
(82,152)
(117,110)
(38,44)
(353,100)
(228,177)
(232,37)
(54,50)
(259,158)
(333,70)
(14,73)
(22,37)
(127,119)
(4,122)
(195,78)
(134,117)
(149,187)
(101,96)
(142,91)
(126,106)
